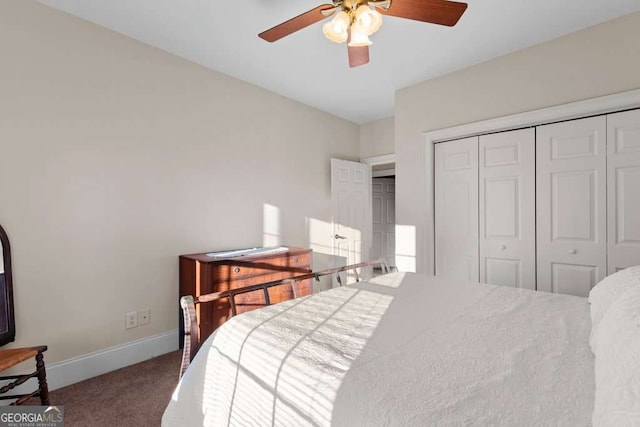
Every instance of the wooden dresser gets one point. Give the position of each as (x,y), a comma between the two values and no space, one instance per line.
(201,274)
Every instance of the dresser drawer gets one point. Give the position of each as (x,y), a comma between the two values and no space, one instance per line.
(278,268)
(294,261)
(252,300)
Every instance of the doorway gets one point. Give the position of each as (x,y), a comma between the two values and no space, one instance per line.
(383,208)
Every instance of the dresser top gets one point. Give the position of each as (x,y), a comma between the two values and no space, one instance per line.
(203,257)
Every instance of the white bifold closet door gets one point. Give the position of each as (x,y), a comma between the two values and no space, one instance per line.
(623,170)
(507,209)
(571,205)
(456,194)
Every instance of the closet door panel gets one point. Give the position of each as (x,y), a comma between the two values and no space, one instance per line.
(456,193)
(623,182)
(507,208)
(571,205)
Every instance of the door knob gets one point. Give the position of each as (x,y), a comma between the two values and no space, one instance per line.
(503,247)
(337,236)
(573,251)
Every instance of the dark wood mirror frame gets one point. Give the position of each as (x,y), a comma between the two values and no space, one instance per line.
(7,319)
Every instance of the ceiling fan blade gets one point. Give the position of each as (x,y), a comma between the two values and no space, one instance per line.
(442,12)
(358,55)
(295,24)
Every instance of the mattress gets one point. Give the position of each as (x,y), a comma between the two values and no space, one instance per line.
(401,349)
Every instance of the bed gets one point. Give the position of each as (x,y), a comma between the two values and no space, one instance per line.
(399,349)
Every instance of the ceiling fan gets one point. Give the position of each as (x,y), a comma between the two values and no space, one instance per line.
(356,20)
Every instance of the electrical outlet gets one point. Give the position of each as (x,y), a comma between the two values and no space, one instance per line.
(131,320)
(144,316)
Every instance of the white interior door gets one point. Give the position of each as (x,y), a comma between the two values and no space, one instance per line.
(383,203)
(623,169)
(507,209)
(571,205)
(351,198)
(456,209)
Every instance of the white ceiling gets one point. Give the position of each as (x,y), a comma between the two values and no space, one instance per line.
(304,66)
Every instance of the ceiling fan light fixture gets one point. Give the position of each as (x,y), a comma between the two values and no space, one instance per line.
(369,19)
(359,36)
(336,30)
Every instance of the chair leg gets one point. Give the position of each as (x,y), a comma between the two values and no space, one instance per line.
(42,379)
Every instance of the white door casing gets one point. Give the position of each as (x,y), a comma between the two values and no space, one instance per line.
(383,200)
(623,189)
(456,194)
(571,205)
(351,200)
(507,209)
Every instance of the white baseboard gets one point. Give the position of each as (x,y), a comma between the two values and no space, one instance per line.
(71,371)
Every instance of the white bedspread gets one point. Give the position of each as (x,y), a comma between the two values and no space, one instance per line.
(402,349)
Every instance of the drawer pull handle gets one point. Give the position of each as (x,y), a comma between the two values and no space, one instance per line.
(236,269)
(295,260)
(573,251)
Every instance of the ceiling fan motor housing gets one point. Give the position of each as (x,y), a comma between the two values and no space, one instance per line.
(350,6)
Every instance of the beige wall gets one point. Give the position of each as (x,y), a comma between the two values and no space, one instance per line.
(116,157)
(597,61)
(377,138)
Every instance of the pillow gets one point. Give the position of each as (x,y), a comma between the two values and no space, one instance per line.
(605,293)
(617,363)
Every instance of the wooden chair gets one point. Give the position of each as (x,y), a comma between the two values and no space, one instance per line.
(15,356)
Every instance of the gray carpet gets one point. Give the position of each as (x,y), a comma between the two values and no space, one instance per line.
(132,396)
